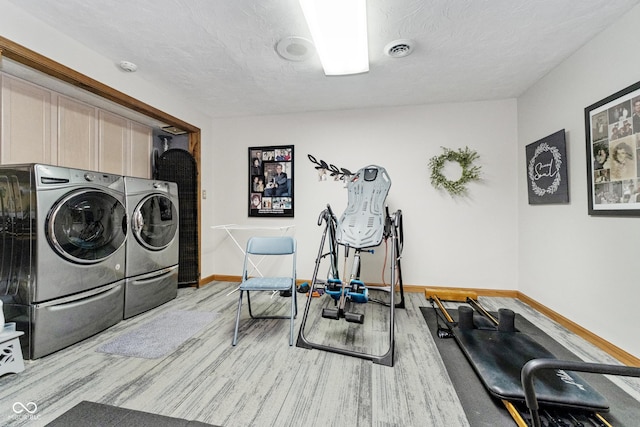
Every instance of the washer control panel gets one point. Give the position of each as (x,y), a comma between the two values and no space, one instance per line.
(50,176)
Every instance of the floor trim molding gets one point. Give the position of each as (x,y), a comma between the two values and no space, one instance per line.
(624,357)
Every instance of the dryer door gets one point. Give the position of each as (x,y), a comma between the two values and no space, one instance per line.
(87,226)
(155,222)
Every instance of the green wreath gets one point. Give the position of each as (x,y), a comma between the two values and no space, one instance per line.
(465,158)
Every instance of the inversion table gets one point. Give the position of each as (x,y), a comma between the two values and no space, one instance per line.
(364,224)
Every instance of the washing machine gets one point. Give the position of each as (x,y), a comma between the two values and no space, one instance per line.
(62,261)
(152,254)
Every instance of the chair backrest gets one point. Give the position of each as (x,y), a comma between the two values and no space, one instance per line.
(284,245)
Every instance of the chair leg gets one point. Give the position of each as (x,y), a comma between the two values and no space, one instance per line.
(294,292)
(235,333)
(292,315)
(294,312)
(249,304)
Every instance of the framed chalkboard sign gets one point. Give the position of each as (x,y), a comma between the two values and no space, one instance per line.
(271,181)
(547,178)
(612,128)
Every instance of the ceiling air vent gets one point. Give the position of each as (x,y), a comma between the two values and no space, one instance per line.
(399,48)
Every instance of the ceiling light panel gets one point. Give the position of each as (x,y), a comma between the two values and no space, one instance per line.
(339,31)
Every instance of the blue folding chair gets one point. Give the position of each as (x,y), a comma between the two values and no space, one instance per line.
(269,247)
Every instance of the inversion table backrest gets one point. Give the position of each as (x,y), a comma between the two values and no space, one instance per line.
(363,221)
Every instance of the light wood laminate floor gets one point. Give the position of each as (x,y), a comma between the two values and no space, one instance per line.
(262,381)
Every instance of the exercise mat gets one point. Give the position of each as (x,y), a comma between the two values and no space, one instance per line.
(483,410)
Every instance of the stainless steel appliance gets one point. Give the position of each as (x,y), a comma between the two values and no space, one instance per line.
(152,246)
(62,260)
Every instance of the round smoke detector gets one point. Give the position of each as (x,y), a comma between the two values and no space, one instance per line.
(127,66)
(295,48)
(399,48)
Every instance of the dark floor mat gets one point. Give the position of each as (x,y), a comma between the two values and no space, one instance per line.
(90,414)
(483,410)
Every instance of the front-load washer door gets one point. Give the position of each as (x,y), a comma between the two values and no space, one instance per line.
(87,226)
(155,222)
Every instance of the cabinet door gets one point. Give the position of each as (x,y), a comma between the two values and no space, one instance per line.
(76,134)
(26,123)
(112,143)
(140,150)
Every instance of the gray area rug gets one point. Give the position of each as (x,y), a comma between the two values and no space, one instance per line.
(160,336)
(90,414)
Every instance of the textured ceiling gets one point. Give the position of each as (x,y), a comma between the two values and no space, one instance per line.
(220,54)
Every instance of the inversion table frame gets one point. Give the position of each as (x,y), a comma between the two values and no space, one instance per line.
(393,227)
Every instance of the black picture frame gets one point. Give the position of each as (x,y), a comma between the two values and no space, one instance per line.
(612,129)
(271,179)
(547,178)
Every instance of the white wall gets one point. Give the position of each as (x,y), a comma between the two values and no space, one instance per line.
(583,267)
(469,242)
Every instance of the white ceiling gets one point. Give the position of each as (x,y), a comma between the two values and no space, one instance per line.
(220,54)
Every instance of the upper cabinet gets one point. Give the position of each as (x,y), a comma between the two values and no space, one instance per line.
(113,141)
(124,146)
(140,150)
(76,134)
(27,134)
(41,126)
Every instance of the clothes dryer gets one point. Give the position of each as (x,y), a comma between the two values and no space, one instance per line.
(152,247)
(63,234)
